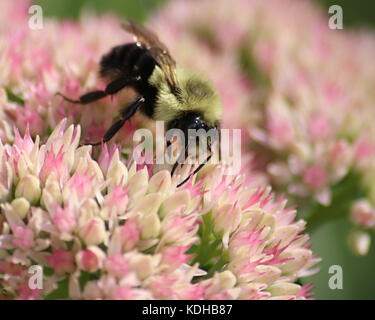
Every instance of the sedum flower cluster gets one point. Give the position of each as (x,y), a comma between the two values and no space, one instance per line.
(102,227)
(107,229)
(301,92)
(63,57)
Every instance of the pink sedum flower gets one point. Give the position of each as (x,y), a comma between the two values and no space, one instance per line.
(22,237)
(90,259)
(62,261)
(125,225)
(117,266)
(53,164)
(64,219)
(216,237)
(309,133)
(363,214)
(92,231)
(315,177)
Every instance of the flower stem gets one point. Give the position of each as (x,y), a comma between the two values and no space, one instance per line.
(344,193)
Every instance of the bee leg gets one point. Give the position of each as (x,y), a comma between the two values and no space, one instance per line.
(120,83)
(176,163)
(219,142)
(86,98)
(174,168)
(130,110)
(125,115)
(182,155)
(169,142)
(111,131)
(112,88)
(197,169)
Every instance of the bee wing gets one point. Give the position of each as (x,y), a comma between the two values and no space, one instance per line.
(157,49)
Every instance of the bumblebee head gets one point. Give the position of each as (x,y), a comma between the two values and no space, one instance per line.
(190,120)
(195,129)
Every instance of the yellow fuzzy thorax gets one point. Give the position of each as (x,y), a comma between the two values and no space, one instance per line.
(197,94)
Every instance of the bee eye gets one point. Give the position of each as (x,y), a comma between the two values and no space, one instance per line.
(192,126)
(196,124)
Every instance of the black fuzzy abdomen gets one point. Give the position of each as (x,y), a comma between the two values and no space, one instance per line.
(132,60)
(149,92)
(127,60)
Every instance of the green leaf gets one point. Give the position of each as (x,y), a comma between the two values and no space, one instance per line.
(343,194)
(49,130)
(209,253)
(12,97)
(62,291)
(249,65)
(88,276)
(125,155)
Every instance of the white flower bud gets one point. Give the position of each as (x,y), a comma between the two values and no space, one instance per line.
(359,242)
(284,289)
(227,279)
(150,226)
(160,182)
(93,231)
(143,265)
(92,291)
(29,188)
(21,206)
(117,171)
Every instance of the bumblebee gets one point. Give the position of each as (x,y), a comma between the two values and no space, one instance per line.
(166,92)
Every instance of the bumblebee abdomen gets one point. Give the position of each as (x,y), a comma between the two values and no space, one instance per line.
(127,60)
(134,61)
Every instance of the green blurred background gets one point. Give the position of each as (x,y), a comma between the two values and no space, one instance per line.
(328,241)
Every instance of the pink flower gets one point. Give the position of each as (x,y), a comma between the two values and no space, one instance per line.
(173,257)
(32,118)
(81,184)
(363,214)
(319,127)
(25,293)
(130,227)
(90,259)
(117,200)
(162,239)
(340,154)
(123,293)
(162,287)
(280,130)
(315,177)
(64,219)
(62,261)
(106,156)
(129,235)
(23,237)
(297,115)
(364,150)
(92,231)
(54,164)
(117,265)
(25,143)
